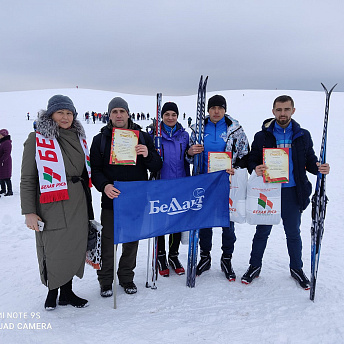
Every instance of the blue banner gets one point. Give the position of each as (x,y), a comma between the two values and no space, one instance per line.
(148,209)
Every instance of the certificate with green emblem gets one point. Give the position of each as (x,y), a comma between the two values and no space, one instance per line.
(123,146)
(277,162)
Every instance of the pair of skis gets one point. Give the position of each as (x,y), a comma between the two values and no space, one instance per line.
(319,201)
(197,169)
(157,141)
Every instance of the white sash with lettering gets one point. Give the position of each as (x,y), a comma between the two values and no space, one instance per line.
(51,170)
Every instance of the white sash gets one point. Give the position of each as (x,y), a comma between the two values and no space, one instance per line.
(51,169)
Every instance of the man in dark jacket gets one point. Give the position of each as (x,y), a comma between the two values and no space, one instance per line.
(284,132)
(103,176)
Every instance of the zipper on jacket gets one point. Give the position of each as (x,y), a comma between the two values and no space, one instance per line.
(233,146)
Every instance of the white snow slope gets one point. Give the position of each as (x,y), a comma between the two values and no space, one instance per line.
(273,309)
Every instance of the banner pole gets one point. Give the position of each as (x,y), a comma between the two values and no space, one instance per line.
(148,260)
(114,276)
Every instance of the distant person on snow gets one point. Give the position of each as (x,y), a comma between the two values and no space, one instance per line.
(283,131)
(5,163)
(222,133)
(87,117)
(189,121)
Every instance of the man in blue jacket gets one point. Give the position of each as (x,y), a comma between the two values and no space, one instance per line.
(222,133)
(282,131)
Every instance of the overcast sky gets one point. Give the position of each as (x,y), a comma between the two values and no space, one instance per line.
(144,47)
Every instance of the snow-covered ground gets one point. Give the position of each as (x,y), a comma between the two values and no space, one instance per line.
(273,309)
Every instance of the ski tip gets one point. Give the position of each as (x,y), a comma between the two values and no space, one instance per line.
(324,87)
(333,88)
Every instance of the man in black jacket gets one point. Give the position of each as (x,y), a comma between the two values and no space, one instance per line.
(282,131)
(103,176)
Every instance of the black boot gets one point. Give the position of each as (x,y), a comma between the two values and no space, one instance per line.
(50,302)
(162,265)
(226,267)
(251,273)
(9,187)
(301,278)
(67,297)
(204,263)
(175,263)
(3,186)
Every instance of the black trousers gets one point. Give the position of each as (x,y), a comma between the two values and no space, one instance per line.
(6,183)
(127,262)
(173,247)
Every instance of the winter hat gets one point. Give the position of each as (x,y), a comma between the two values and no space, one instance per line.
(170,106)
(60,102)
(217,100)
(4,132)
(118,102)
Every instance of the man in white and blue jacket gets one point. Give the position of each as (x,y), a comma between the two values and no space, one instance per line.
(282,131)
(222,133)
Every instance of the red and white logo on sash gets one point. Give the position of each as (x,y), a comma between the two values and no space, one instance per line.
(51,170)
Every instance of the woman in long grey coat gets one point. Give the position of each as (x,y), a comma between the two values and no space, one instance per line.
(54,166)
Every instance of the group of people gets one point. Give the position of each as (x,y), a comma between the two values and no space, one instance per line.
(96,116)
(60,147)
(140,116)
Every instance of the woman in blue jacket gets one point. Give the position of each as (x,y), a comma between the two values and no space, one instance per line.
(174,144)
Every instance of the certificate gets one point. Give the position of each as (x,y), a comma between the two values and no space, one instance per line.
(218,161)
(123,146)
(277,161)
